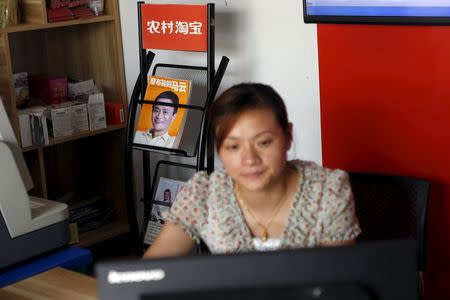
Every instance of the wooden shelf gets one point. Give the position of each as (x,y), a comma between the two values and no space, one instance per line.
(85,163)
(76,136)
(103,233)
(46,25)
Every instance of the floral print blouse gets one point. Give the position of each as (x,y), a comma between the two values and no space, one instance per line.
(323,211)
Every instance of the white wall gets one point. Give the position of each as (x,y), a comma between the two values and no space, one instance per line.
(266,42)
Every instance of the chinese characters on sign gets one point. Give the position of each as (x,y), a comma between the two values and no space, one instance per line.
(173,84)
(171,27)
(174,27)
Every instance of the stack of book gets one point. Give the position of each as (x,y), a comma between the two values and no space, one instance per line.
(62,10)
(90,213)
(60,14)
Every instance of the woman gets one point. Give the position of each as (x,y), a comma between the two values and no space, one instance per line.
(259,200)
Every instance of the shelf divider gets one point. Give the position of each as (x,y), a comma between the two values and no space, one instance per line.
(40,26)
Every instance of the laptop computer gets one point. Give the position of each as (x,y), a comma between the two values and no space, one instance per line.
(367,270)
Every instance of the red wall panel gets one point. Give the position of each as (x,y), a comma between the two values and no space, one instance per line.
(385,107)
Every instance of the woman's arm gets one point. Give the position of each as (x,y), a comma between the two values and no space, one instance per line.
(171,241)
(340,224)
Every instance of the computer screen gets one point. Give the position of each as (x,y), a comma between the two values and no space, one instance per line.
(377,11)
(367,270)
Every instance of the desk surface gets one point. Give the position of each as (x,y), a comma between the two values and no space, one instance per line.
(55,284)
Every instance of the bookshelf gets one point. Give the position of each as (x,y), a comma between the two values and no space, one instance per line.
(87,162)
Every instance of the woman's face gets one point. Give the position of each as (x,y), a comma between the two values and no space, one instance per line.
(254,151)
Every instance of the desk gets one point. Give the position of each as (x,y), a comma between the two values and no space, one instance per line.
(71,257)
(54,284)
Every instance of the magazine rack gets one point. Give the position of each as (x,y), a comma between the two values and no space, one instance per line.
(164,170)
(194,144)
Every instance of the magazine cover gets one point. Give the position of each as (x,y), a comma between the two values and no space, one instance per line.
(166,192)
(161,125)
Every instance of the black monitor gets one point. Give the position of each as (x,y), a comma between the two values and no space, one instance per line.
(368,270)
(377,11)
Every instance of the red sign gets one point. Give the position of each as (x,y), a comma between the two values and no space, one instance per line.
(175,27)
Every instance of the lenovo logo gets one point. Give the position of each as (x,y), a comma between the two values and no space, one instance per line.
(116,277)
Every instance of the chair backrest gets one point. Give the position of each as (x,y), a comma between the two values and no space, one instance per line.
(392,207)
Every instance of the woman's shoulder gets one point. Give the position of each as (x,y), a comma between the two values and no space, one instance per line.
(200,194)
(316,172)
(208,183)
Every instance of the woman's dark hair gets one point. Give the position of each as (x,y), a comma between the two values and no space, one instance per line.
(240,98)
(171,96)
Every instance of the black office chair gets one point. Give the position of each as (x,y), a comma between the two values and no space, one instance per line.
(392,207)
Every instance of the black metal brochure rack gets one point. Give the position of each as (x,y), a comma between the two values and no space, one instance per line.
(194,146)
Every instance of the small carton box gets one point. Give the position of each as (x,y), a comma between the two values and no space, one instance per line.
(81,90)
(59,119)
(97,6)
(21,90)
(96,111)
(20,79)
(114,113)
(79,116)
(38,120)
(26,138)
(52,90)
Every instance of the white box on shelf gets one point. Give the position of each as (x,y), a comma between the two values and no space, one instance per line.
(26,138)
(20,79)
(38,120)
(96,111)
(79,116)
(59,117)
(81,90)
(21,90)
(96,6)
